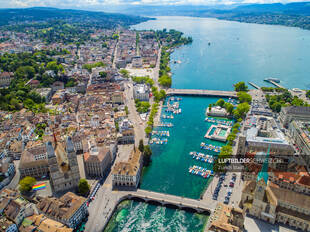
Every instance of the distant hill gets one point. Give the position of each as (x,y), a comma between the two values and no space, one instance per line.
(300,8)
(295,14)
(26,15)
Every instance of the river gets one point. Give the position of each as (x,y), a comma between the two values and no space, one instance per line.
(237,52)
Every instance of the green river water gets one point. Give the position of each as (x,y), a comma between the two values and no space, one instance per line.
(238,52)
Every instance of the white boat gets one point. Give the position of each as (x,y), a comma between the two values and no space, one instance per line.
(272,79)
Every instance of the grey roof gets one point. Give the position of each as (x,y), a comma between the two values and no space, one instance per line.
(297,110)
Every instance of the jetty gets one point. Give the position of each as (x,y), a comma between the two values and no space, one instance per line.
(254,85)
(201,92)
(276,84)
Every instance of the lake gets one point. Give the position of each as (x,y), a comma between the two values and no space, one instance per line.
(237,52)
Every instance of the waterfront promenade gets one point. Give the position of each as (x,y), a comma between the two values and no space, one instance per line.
(201,92)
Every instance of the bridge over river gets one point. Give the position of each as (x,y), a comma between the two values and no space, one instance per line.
(167,200)
(202,92)
(105,203)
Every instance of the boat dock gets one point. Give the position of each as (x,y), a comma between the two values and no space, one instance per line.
(202,92)
(276,84)
(254,85)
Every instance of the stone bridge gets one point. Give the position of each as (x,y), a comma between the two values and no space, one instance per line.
(169,201)
(201,92)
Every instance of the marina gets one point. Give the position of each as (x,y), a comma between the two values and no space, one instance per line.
(168,116)
(158,141)
(161,133)
(218,121)
(164,124)
(210,147)
(202,157)
(200,171)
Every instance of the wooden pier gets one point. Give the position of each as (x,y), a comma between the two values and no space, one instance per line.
(201,92)
(254,85)
(276,84)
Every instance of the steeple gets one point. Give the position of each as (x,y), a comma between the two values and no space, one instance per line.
(69,145)
(50,150)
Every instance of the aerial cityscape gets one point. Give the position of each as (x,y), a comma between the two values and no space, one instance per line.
(161,115)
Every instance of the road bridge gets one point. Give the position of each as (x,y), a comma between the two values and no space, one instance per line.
(201,92)
(170,201)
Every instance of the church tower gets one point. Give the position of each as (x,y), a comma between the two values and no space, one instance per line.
(52,160)
(72,159)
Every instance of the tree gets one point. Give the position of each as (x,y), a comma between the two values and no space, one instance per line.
(25,185)
(103,74)
(52,66)
(308,94)
(147,155)
(115,36)
(148,130)
(241,110)
(141,145)
(124,72)
(276,107)
(244,97)
(241,86)
(83,187)
(220,102)
(229,108)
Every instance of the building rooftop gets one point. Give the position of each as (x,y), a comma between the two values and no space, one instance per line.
(296,110)
(222,217)
(62,208)
(131,167)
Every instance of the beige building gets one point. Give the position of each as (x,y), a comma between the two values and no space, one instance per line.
(226,219)
(300,133)
(127,174)
(69,210)
(271,203)
(126,136)
(97,160)
(298,113)
(5,79)
(39,222)
(34,162)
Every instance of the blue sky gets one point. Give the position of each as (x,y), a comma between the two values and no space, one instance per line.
(102,3)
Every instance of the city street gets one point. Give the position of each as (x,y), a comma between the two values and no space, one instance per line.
(236,191)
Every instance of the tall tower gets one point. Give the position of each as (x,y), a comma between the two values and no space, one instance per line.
(241,145)
(71,153)
(72,160)
(52,160)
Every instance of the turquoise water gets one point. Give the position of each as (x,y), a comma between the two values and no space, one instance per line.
(238,52)
(168,171)
(138,216)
